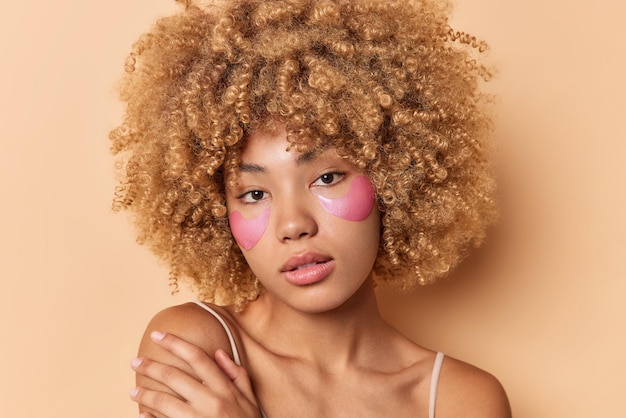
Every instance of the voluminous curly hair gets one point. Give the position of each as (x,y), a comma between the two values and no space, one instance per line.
(387,83)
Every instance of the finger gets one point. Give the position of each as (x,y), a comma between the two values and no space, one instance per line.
(237,374)
(160,402)
(199,361)
(185,386)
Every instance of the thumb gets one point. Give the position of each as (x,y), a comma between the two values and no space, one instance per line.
(237,374)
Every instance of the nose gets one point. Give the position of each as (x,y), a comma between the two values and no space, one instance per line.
(294,220)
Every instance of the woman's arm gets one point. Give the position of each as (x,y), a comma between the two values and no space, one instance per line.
(184,369)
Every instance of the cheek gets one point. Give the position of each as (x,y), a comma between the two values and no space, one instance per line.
(248,232)
(355,205)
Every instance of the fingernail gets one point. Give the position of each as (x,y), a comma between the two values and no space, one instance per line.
(222,353)
(136,362)
(134,392)
(157,335)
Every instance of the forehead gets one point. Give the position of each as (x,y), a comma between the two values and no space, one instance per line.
(274,148)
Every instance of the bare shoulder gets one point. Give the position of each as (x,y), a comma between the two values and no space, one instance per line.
(467,391)
(189,322)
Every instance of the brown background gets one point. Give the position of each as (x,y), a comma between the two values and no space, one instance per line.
(541,306)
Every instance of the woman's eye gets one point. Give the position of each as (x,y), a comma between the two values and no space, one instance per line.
(328,178)
(253,196)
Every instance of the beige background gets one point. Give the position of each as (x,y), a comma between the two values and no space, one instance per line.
(540,306)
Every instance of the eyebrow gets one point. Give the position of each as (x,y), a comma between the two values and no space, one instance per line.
(307,157)
(252,168)
(302,159)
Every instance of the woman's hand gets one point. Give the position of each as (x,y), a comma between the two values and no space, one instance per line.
(224,388)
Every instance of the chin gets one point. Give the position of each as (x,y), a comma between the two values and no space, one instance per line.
(321,302)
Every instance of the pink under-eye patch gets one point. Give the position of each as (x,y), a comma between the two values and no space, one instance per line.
(355,205)
(248,232)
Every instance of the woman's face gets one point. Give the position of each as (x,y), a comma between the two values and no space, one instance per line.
(307,224)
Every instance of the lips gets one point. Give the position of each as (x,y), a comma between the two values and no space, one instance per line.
(304,260)
(307,268)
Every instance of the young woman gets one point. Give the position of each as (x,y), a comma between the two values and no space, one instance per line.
(284,156)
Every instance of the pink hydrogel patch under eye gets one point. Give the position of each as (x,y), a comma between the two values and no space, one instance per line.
(355,205)
(248,232)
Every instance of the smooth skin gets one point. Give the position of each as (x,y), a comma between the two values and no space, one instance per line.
(320,350)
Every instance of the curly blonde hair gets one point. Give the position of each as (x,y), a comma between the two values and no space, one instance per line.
(387,83)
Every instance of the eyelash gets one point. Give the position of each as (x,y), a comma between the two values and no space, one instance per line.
(247,196)
(337,176)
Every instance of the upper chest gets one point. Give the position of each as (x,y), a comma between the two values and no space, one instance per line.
(291,388)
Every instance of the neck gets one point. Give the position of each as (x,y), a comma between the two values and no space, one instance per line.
(332,340)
